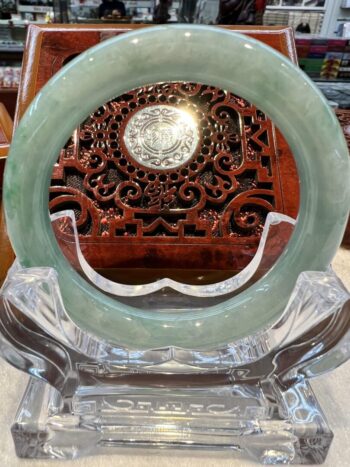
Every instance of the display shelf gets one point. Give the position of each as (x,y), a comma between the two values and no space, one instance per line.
(324,58)
(10,48)
(19,22)
(333,11)
(305,5)
(294,8)
(335,16)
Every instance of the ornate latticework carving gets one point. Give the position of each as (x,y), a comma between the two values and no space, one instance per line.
(220,195)
(344,120)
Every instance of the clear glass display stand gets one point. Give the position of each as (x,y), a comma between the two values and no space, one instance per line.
(251,398)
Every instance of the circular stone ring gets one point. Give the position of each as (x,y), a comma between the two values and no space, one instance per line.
(203,54)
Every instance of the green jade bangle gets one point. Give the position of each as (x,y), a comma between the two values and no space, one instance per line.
(201,54)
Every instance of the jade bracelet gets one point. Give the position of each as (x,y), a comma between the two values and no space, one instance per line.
(211,56)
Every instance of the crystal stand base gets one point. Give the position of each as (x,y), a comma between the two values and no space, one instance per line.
(263,422)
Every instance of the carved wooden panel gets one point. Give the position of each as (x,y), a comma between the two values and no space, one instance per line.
(344,120)
(224,191)
(207,211)
(220,196)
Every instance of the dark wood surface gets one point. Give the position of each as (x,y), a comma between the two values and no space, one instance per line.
(6,128)
(8,97)
(6,253)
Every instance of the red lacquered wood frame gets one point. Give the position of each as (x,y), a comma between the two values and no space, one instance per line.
(195,241)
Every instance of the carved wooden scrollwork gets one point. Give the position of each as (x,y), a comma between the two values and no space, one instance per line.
(221,194)
(344,120)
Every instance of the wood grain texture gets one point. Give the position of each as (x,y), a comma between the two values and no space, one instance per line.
(8,97)
(6,128)
(6,253)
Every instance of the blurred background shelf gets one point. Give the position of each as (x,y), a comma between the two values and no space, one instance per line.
(323,54)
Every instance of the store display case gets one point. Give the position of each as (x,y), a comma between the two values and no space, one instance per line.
(297,14)
(325,58)
(137,11)
(34,6)
(326,17)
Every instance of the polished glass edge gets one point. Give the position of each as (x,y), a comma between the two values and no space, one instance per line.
(266,423)
(36,293)
(224,287)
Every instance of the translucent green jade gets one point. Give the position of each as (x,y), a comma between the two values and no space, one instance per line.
(181,53)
